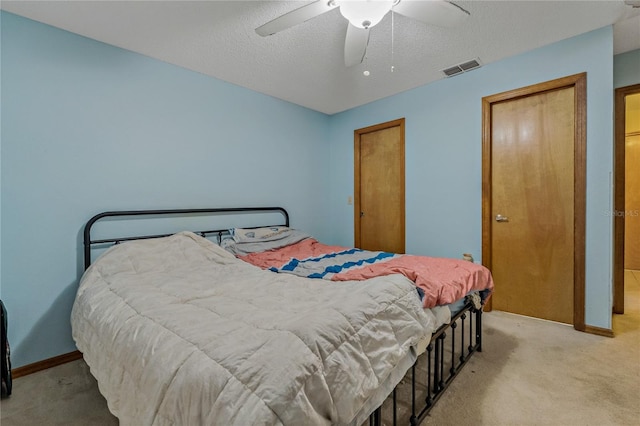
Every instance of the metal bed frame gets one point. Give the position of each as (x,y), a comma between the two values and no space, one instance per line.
(434,370)
(88,242)
(426,380)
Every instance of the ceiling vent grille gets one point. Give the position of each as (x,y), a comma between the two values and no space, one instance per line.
(463,67)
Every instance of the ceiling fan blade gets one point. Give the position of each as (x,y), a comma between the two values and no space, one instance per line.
(433,12)
(355,45)
(296,17)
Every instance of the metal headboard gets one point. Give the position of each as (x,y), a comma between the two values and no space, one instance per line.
(88,242)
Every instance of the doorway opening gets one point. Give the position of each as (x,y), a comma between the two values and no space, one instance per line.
(626,295)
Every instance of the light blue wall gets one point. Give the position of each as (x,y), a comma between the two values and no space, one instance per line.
(626,69)
(88,127)
(443,155)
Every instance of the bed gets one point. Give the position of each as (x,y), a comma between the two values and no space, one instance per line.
(178,330)
(281,249)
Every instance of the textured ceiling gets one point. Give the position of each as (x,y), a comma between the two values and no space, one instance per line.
(305,64)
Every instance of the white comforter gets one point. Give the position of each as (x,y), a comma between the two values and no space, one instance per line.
(179,332)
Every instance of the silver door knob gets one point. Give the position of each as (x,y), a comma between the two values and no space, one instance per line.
(500,218)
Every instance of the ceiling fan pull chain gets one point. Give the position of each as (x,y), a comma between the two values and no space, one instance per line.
(392,37)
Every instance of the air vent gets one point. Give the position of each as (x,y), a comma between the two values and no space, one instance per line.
(450,72)
(463,67)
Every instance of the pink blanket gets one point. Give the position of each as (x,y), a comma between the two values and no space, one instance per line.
(442,280)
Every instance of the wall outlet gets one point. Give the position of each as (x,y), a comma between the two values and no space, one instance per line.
(350,200)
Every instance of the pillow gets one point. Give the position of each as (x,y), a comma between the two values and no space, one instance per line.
(241,235)
(256,240)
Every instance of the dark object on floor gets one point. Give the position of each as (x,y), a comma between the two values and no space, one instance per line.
(6,356)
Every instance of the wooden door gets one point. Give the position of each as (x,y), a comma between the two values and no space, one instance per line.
(379,207)
(533,187)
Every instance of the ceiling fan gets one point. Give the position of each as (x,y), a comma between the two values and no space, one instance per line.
(364,14)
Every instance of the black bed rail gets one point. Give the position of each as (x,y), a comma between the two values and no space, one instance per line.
(450,348)
(88,242)
(439,379)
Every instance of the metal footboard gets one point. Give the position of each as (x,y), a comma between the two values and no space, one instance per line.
(450,348)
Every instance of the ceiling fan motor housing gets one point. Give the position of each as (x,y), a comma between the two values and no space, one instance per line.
(365,13)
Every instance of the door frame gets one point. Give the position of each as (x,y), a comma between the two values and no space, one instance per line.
(619,195)
(579,83)
(357,184)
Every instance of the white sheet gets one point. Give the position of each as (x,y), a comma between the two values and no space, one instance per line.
(178,331)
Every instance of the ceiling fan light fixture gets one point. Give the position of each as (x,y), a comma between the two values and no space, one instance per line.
(365,13)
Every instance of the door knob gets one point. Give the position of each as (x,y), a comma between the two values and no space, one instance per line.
(500,218)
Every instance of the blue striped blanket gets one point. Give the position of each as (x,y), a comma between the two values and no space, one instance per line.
(330,264)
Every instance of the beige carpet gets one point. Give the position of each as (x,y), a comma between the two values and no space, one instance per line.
(534,372)
(531,372)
